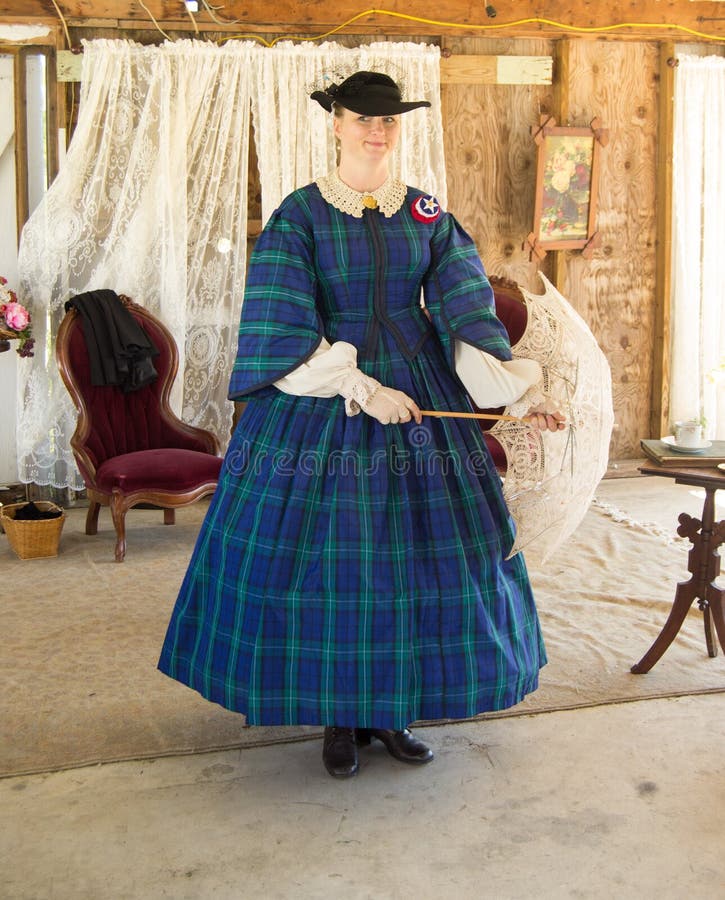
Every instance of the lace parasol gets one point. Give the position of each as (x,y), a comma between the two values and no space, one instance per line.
(551,476)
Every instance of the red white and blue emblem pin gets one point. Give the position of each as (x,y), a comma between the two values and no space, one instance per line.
(426,208)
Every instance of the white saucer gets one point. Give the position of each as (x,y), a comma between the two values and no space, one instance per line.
(670,441)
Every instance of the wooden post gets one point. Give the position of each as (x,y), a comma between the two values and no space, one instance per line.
(561,114)
(51,118)
(660,405)
(21,140)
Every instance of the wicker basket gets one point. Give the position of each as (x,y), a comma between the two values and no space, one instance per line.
(5,337)
(32,538)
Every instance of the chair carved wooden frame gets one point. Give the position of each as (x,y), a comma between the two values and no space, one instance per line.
(131,448)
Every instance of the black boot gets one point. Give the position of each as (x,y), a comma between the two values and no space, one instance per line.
(339,752)
(399,744)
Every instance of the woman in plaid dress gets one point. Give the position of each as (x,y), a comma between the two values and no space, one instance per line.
(351,571)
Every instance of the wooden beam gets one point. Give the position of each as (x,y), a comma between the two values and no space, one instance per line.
(454,70)
(465,69)
(661,20)
(51,118)
(660,405)
(46,40)
(20,10)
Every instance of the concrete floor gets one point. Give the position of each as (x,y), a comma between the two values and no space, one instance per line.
(618,801)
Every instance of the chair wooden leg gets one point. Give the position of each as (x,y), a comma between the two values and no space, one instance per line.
(92,517)
(118,514)
(169,516)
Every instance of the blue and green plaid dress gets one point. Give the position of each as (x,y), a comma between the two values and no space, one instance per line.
(349,573)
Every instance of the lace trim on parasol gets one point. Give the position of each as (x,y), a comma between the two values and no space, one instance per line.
(389,197)
(542,343)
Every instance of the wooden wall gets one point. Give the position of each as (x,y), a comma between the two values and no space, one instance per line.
(614,290)
(491,161)
(491,157)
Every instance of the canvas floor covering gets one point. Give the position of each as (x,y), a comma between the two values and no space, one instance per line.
(81,634)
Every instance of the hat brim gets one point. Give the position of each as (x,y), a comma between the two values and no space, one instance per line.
(369,106)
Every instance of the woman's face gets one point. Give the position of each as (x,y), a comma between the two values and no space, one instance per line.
(366,138)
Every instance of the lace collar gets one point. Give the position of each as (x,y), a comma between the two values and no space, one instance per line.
(388,198)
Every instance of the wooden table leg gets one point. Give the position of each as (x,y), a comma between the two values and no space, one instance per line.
(684,597)
(716,610)
(704,564)
(710,643)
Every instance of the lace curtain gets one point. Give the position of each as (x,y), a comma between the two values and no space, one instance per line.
(303,148)
(151,201)
(697,375)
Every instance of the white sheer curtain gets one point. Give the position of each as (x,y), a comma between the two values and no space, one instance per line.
(293,134)
(151,202)
(697,375)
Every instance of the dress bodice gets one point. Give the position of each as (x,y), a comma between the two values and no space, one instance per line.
(319,272)
(369,273)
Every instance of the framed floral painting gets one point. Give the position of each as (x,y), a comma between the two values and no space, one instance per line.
(567,181)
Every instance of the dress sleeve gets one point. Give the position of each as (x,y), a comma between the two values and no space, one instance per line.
(458,295)
(331,371)
(280,327)
(491,382)
(323,374)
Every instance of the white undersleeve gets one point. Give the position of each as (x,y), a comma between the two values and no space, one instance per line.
(490,382)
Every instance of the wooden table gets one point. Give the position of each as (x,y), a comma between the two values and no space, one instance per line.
(706,536)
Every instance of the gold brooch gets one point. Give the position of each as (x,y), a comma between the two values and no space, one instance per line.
(370,202)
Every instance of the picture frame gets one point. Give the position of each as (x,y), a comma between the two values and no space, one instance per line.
(567,185)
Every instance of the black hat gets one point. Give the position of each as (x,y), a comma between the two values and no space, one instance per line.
(367,93)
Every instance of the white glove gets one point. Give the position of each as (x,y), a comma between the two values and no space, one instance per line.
(389,406)
(385,404)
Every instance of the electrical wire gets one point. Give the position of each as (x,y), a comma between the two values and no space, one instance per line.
(151,16)
(193,20)
(71,113)
(64,23)
(497,26)
(586,29)
(212,14)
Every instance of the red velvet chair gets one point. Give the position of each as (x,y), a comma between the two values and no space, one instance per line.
(131,448)
(511,310)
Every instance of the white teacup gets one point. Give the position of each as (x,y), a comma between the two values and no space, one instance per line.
(688,433)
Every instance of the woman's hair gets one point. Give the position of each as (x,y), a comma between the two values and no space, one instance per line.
(338,109)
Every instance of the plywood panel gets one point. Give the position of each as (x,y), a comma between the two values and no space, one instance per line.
(474,69)
(491,158)
(615,289)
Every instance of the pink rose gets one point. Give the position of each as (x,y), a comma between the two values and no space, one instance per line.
(16,316)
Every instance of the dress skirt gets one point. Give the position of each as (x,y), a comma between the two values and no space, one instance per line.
(353,574)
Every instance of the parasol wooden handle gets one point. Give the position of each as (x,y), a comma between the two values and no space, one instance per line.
(469,415)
